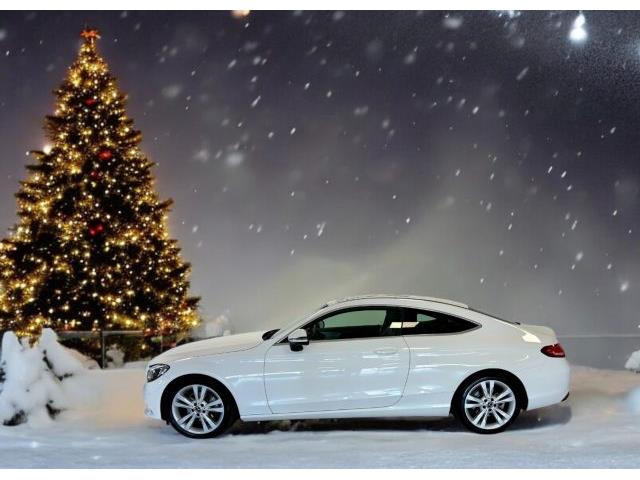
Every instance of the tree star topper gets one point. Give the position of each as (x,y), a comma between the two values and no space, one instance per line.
(90,34)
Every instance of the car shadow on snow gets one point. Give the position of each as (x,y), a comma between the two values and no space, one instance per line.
(544,417)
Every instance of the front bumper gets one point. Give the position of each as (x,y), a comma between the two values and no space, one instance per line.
(152,393)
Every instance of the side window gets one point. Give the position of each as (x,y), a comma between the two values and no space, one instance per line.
(356,323)
(419,322)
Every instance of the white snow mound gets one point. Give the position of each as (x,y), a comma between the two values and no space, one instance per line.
(633,363)
(633,401)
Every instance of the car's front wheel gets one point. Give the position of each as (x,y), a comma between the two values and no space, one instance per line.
(201,409)
(487,405)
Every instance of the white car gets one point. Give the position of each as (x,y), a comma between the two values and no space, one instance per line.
(370,356)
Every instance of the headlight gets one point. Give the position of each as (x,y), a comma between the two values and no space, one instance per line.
(156,371)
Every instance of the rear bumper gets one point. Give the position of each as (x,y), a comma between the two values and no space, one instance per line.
(548,383)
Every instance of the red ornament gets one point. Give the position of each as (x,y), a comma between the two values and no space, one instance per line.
(105,154)
(90,101)
(95,174)
(96,229)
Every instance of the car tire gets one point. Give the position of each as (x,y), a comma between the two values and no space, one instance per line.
(200,408)
(487,404)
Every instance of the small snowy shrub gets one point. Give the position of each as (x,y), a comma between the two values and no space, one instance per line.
(633,363)
(116,357)
(32,388)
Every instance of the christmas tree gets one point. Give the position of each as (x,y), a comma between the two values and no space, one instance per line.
(91,249)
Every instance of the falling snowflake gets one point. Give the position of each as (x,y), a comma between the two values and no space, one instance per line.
(522,74)
(451,22)
(202,155)
(170,92)
(410,58)
(234,159)
(361,111)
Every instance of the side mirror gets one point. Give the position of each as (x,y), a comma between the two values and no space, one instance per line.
(297,339)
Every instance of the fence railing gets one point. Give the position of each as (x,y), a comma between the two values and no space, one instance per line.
(102,336)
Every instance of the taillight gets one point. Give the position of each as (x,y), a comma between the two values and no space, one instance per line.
(554,350)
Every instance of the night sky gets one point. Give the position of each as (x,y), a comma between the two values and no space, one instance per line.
(488,157)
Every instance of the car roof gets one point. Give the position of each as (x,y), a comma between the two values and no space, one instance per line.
(395,297)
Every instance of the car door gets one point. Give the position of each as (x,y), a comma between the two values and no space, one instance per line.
(356,358)
(444,348)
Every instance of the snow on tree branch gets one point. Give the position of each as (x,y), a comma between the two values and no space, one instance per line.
(32,378)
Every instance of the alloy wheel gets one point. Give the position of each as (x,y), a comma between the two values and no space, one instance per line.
(489,404)
(197,409)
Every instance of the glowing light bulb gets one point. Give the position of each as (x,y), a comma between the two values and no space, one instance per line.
(578,33)
(47,149)
(240,13)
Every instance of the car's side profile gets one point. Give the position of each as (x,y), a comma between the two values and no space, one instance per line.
(370,356)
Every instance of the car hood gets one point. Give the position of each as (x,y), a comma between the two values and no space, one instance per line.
(211,346)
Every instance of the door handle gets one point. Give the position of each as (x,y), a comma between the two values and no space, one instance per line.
(386,351)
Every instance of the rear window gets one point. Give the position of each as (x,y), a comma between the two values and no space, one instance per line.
(419,322)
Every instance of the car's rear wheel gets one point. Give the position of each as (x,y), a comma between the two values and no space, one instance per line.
(488,405)
(201,409)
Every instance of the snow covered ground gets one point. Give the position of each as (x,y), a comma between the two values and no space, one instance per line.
(598,427)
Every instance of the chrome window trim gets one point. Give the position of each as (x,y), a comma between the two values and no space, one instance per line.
(284,341)
(346,339)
